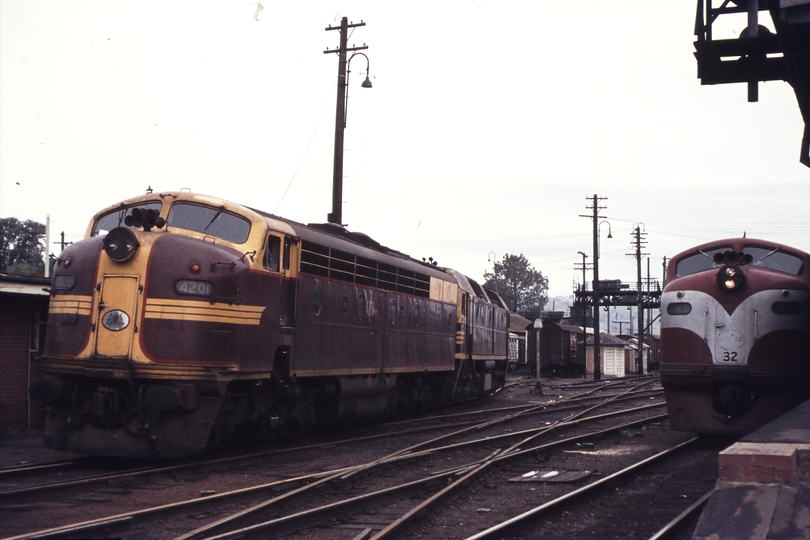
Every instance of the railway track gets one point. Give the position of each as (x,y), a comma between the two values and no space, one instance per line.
(36,479)
(337,500)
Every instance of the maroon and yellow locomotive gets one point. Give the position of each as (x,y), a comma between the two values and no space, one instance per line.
(735,335)
(183,321)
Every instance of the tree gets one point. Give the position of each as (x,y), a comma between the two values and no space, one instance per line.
(523,288)
(20,247)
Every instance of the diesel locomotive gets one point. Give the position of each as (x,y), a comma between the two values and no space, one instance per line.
(184,321)
(735,335)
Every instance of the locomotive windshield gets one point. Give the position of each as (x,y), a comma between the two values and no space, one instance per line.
(111,220)
(775,259)
(211,221)
(698,262)
(765,257)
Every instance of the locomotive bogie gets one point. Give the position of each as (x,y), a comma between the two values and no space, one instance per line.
(184,322)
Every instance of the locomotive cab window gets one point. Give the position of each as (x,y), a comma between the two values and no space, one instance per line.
(698,262)
(272,255)
(111,220)
(775,259)
(210,221)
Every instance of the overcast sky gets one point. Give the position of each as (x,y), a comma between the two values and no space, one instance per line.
(489,125)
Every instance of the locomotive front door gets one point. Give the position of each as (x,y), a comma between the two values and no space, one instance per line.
(117,315)
(729,343)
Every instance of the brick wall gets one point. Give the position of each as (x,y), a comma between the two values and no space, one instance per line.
(15,333)
(764,462)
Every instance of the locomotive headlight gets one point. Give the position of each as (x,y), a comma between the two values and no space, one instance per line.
(730,278)
(115,320)
(120,244)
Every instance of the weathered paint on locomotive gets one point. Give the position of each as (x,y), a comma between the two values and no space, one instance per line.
(731,360)
(168,349)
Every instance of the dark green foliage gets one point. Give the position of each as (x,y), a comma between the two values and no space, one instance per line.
(20,247)
(523,288)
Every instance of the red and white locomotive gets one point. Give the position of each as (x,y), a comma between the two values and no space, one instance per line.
(183,321)
(735,335)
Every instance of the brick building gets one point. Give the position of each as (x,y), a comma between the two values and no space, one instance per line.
(23,318)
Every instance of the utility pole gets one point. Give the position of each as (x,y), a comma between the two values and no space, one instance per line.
(583,267)
(639,242)
(597,364)
(649,309)
(336,216)
(47,243)
(63,243)
(584,319)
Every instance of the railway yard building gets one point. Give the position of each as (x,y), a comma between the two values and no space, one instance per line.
(23,312)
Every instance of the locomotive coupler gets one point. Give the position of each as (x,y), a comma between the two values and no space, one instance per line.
(731,394)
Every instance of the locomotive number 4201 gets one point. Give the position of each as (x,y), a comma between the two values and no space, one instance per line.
(193,287)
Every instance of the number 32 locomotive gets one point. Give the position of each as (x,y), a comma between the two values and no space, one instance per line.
(735,335)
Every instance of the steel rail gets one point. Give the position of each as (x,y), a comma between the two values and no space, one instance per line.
(285,524)
(513,449)
(147,470)
(215,501)
(208,529)
(39,467)
(143,471)
(408,453)
(501,527)
(221,523)
(672,525)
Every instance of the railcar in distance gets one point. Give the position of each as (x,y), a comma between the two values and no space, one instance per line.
(184,321)
(735,335)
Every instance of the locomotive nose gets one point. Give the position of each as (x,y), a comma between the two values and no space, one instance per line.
(120,244)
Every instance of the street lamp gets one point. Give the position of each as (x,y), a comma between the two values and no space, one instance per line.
(609,235)
(336,215)
(366,83)
(597,240)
